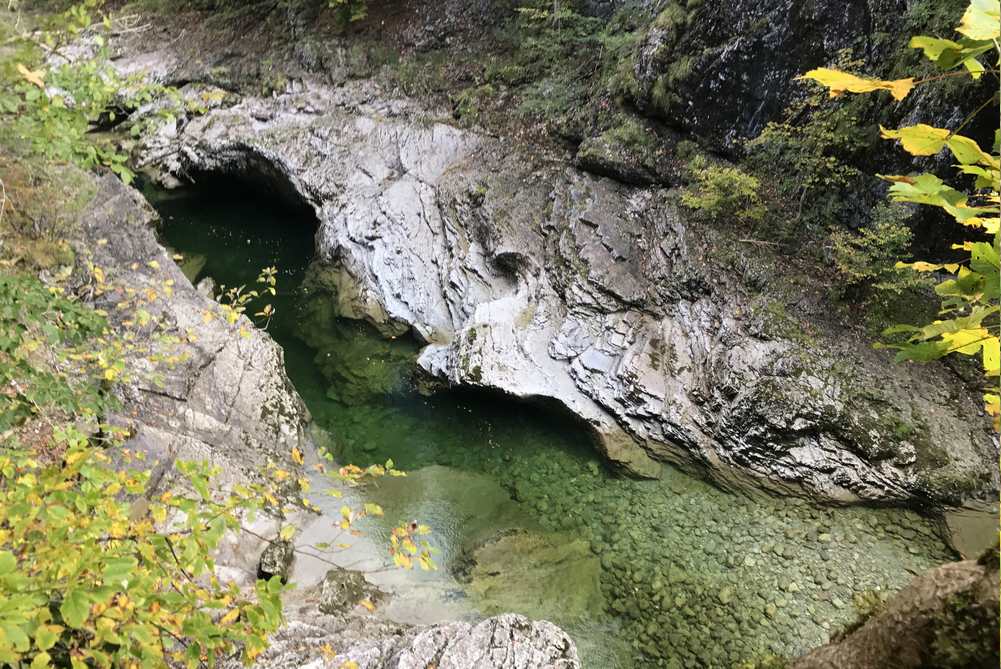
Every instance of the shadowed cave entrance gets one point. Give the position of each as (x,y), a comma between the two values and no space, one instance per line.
(662,573)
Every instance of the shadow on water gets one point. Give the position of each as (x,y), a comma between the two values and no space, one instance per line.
(669,573)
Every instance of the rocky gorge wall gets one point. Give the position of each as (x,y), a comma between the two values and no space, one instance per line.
(227,400)
(524,274)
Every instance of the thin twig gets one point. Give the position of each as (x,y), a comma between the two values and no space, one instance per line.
(759,241)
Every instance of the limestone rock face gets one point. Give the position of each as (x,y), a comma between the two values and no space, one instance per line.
(225,400)
(542,281)
(502,642)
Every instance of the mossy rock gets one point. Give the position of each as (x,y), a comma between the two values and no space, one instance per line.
(557,576)
(341,590)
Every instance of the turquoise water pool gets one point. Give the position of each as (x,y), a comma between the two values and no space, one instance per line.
(668,573)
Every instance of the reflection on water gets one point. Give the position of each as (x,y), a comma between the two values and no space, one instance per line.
(669,573)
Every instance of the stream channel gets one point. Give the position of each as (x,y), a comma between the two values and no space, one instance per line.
(525,515)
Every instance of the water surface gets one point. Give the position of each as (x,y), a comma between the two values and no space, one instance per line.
(526,518)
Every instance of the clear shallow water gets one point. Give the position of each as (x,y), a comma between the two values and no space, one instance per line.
(671,573)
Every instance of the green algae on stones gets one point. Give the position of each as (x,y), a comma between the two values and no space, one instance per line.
(543,575)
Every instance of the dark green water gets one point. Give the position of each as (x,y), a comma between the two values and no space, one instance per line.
(670,573)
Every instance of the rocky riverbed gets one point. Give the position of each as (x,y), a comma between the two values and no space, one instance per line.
(527,518)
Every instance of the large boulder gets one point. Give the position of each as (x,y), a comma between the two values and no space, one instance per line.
(946,618)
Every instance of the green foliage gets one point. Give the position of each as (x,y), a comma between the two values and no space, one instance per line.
(87,579)
(969,301)
(722,192)
(469,101)
(96,568)
(349,11)
(568,64)
(768,661)
(867,260)
(50,103)
(809,160)
(235,300)
(36,324)
(868,603)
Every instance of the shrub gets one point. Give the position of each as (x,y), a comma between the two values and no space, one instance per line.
(721,192)
(87,580)
(867,258)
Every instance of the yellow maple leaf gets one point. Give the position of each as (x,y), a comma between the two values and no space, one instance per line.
(297,455)
(918,140)
(966,341)
(838,83)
